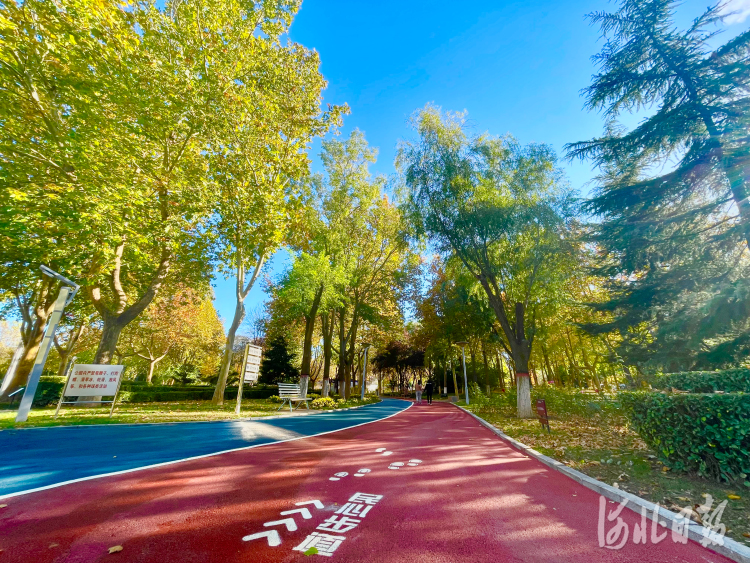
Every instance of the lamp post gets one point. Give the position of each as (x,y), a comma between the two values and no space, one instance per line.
(463,344)
(364,372)
(67,292)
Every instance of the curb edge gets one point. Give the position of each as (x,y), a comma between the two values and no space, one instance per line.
(731,548)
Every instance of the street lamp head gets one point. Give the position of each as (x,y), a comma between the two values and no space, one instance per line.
(462,343)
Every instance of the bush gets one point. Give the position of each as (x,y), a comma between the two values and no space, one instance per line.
(728,380)
(274,399)
(561,401)
(48,391)
(705,434)
(323,403)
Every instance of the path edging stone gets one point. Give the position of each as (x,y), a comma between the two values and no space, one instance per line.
(731,548)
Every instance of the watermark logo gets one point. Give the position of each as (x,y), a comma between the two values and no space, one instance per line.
(618,533)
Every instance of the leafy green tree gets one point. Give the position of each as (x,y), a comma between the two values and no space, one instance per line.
(672,200)
(700,98)
(259,155)
(277,365)
(62,170)
(502,209)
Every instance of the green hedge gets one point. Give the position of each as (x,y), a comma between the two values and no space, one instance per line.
(728,380)
(703,433)
(49,389)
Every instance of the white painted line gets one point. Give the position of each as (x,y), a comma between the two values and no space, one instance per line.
(163,463)
(218,421)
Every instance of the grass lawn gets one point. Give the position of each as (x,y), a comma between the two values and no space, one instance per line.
(604,447)
(130,413)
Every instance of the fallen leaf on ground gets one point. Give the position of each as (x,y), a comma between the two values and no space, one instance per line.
(115,549)
(311,551)
(734,497)
(665,469)
(746,534)
(53,545)
(683,499)
(3,505)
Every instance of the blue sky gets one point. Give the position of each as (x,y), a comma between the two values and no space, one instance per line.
(516,67)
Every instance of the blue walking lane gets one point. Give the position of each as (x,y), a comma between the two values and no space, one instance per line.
(34,458)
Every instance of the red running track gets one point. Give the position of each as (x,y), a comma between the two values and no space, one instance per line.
(472,498)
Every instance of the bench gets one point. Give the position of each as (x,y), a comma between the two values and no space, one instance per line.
(290,392)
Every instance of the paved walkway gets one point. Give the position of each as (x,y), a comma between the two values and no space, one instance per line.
(32,458)
(429,484)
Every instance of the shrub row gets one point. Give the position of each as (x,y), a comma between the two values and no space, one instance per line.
(728,380)
(705,434)
(49,389)
(560,400)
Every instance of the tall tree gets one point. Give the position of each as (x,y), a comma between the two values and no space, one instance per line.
(502,209)
(60,147)
(672,200)
(259,156)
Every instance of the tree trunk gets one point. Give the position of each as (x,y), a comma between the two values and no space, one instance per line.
(226,361)
(327,324)
(34,321)
(550,374)
(521,353)
(472,351)
(151,365)
(117,319)
(310,319)
(520,346)
(241,291)
(20,375)
(341,373)
(501,371)
(486,366)
(111,330)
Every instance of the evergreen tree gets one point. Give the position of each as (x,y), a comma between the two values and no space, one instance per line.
(277,365)
(673,194)
(701,100)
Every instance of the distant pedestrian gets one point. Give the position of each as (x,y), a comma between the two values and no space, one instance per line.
(428,392)
(418,389)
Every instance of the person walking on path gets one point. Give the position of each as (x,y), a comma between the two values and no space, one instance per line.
(418,389)
(428,392)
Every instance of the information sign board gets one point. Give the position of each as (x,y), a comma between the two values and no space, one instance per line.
(93,379)
(252,367)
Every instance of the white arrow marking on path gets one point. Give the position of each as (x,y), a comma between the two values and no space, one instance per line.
(317,503)
(303,511)
(290,524)
(273,537)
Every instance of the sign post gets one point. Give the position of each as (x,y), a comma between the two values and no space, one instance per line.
(250,369)
(69,372)
(86,379)
(541,412)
